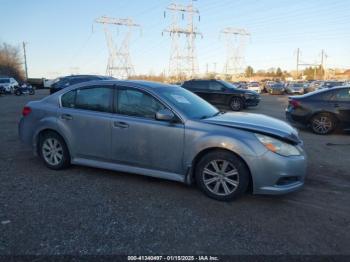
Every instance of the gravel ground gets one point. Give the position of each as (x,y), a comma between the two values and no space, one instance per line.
(91,211)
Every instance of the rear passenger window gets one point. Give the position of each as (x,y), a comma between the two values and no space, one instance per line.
(68,99)
(95,99)
(215,86)
(200,85)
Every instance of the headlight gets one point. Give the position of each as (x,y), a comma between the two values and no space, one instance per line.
(278,146)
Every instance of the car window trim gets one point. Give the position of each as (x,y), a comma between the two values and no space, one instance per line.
(82,88)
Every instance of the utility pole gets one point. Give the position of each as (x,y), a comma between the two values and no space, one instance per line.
(119,61)
(236,40)
(25,60)
(183,58)
(323,63)
(298,58)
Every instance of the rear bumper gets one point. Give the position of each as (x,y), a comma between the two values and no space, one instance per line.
(296,120)
(277,92)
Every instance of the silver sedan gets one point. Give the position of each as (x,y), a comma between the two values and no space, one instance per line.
(167,132)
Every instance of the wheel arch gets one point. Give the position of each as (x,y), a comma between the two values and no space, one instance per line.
(334,115)
(205,151)
(40,133)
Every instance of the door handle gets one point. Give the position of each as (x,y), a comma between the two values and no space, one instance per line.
(66,117)
(121,124)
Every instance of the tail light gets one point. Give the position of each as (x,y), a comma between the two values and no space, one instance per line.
(294,103)
(26,111)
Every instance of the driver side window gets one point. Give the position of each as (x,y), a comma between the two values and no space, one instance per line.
(133,102)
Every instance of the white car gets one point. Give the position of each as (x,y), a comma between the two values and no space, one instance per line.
(9,84)
(254,86)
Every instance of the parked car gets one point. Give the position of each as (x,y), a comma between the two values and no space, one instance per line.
(25,89)
(330,84)
(242,84)
(268,85)
(323,110)
(295,88)
(164,131)
(2,90)
(66,81)
(222,93)
(276,89)
(254,86)
(9,84)
(312,86)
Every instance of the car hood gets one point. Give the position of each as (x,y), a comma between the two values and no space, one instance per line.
(257,123)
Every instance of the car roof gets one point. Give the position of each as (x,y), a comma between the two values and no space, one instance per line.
(127,83)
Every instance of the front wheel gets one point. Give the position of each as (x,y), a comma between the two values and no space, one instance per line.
(323,124)
(17,93)
(31,92)
(236,104)
(222,175)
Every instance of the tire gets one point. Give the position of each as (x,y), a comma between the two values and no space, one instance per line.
(31,92)
(323,123)
(52,143)
(235,172)
(236,104)
(17,93)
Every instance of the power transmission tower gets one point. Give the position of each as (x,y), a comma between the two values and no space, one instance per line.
(322,65)
(183,58)
(236,40)
(119,61)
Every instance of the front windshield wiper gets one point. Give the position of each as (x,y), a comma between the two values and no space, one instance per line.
(216,114)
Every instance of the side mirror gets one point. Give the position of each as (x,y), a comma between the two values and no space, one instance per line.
(165,115)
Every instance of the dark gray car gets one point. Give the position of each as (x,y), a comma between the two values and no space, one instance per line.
(167,132)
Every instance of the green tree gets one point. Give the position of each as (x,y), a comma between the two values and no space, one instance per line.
(279,72)
(249,72)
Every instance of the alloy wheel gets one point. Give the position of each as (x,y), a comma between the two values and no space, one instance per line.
(52,151)
(220,177)
(322,125)
(236,104)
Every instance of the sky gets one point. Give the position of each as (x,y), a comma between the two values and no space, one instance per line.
(62,37)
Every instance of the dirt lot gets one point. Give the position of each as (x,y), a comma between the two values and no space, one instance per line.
(92,211)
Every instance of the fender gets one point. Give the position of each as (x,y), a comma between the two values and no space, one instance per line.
(51,124)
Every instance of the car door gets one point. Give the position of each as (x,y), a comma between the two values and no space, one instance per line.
(201,88)
(138,139)
(218,93)
(341,102)
(85,118)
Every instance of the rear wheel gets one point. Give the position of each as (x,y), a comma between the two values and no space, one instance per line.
(17,93)
(323,124)
(222,175)
(54,152)
(236,104)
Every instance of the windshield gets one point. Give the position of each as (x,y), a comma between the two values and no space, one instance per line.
(189,104)
(4,80)
(227,84)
